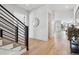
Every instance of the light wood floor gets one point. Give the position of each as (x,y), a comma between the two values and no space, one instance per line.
(59,45)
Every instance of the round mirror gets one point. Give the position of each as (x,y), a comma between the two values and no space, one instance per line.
(36,22)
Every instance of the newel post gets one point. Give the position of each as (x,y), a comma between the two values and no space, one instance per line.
(26,37)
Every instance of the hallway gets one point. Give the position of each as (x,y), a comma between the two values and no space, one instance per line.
(59,45)
(42,27)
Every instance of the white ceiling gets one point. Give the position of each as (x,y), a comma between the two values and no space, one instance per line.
(55,7)
(62,7)
(29,7)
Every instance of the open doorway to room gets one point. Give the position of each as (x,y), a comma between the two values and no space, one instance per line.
(60,19)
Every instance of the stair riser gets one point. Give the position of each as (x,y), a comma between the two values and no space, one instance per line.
(9,46)
(22,51)
(0,42)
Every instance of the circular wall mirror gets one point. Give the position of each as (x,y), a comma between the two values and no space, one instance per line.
(36,22)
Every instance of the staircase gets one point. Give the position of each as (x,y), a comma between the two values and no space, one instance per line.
(8,47)
(13,34)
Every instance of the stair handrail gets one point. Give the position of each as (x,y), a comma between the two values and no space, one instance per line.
(12,14)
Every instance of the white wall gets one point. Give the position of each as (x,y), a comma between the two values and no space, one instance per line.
(75,9)
(51,21)
(41,32)
(20,13)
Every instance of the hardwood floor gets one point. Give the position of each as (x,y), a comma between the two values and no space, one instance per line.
(59,45)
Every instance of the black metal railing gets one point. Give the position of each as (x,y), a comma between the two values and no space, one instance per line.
(12,28)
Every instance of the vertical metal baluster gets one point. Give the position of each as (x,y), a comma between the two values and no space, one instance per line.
(1,33)
(26,38)
(16,34)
